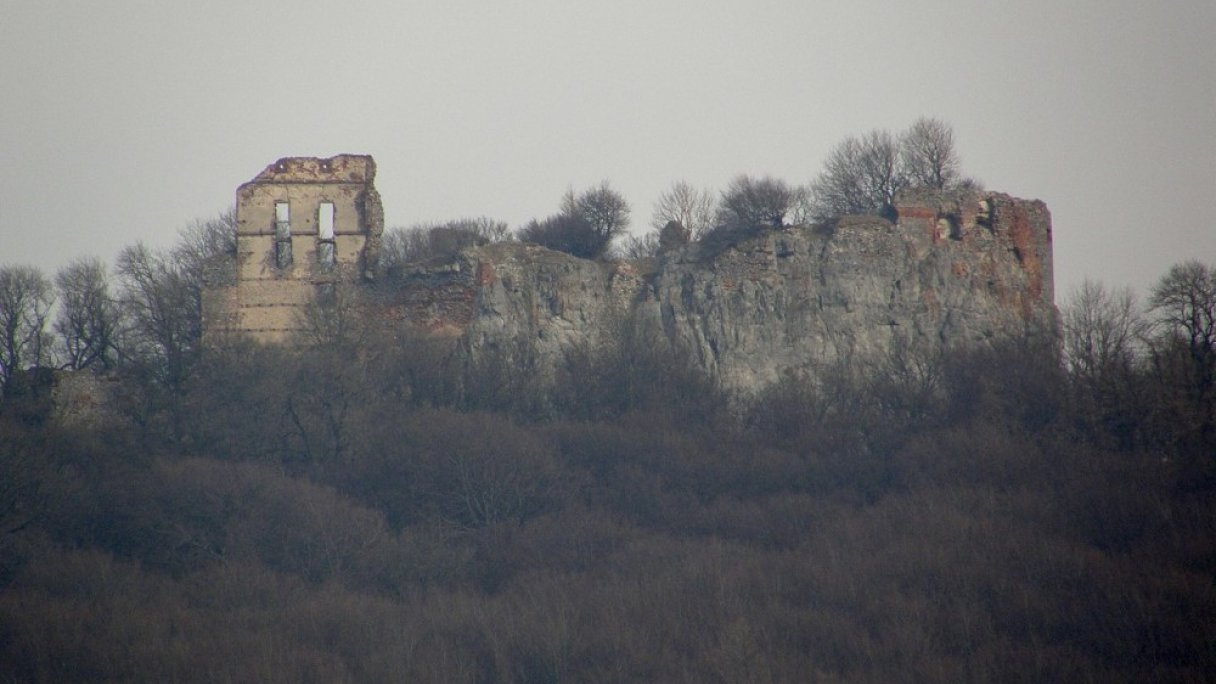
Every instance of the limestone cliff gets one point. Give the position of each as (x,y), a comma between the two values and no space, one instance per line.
(949,271)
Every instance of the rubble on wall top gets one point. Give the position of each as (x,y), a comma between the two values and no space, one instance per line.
(342,168)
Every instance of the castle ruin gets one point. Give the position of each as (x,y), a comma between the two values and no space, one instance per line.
(304,225)
(952,269)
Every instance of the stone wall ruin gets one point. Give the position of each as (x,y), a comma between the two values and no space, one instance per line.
(304,224)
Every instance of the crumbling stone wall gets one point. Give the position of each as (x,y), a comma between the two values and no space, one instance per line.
(285,251)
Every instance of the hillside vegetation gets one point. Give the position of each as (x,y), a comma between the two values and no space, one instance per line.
(366,511)
(378,504)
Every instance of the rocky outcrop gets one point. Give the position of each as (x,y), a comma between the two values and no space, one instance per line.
(950,271)
(530,303)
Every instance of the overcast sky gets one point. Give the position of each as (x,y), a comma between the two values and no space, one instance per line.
(124,120)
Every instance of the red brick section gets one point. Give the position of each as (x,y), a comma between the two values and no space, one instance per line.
(485,273)
(919,218)
(1022,235)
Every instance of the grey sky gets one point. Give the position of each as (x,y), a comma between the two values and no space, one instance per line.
(125,120)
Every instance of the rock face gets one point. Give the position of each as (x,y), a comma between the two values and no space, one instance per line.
(950,271)
(528,302)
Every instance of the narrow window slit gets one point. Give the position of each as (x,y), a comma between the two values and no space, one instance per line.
(282,234)
(325,235)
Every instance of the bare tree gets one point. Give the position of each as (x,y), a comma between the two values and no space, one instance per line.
(487,230)
(603,208)
(750,202)
(1104,334)
(1183,354)
(160,297)
(401,245)
(478,469)
(861,176)
(840,188)
(431,240)
(88,321)
(881,170)
(26,297)
(1102,330)
(640,246)
(326,387)
(1184,302)
(693,209)
(565,233)
(161,301)
(206,250)
(586,224)
(928,156)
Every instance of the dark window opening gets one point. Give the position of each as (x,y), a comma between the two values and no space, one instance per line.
(949,227)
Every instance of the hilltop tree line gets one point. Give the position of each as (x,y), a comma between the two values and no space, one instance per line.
(862,175)
(143,318)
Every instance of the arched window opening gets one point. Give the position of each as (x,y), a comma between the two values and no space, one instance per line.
(983,215)
(949,227)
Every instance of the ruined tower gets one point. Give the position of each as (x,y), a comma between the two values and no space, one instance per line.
(304,224)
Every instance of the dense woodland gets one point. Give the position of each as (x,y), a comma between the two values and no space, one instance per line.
(362,510)
(379,505)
